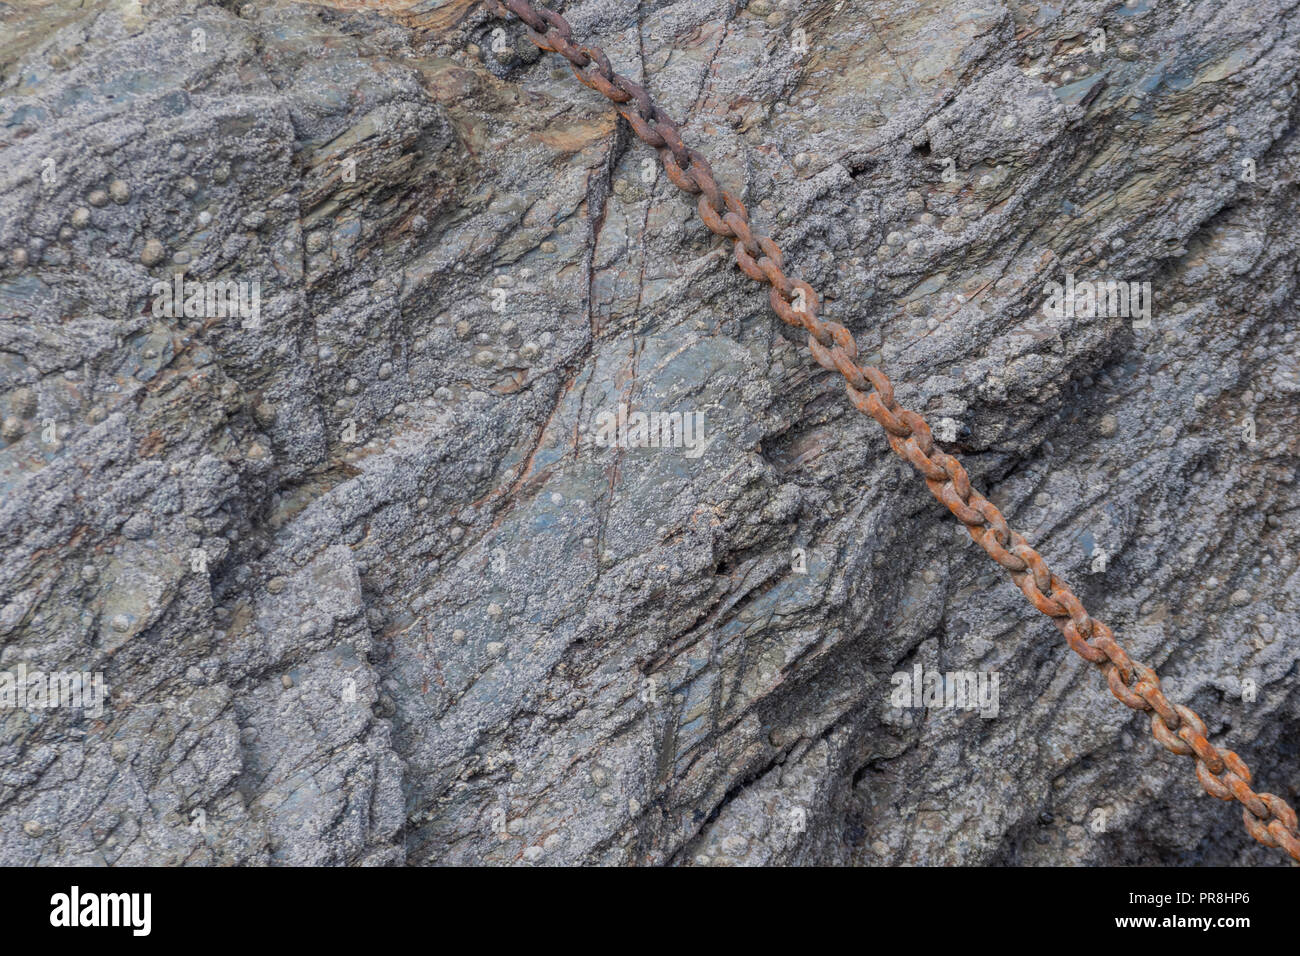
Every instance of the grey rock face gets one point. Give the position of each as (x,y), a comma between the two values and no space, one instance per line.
(343,530)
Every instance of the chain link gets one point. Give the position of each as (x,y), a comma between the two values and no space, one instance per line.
(1268,818)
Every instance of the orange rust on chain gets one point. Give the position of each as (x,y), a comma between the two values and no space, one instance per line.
(1268,818)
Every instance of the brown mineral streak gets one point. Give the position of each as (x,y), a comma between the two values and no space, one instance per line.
(1268,818)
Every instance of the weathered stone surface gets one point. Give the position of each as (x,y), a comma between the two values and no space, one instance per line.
(366,588)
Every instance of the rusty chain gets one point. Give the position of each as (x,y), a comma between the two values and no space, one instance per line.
(1268,818)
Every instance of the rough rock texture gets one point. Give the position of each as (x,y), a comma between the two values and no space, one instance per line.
(366,589)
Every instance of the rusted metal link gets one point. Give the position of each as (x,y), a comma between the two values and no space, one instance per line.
(1222,774)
